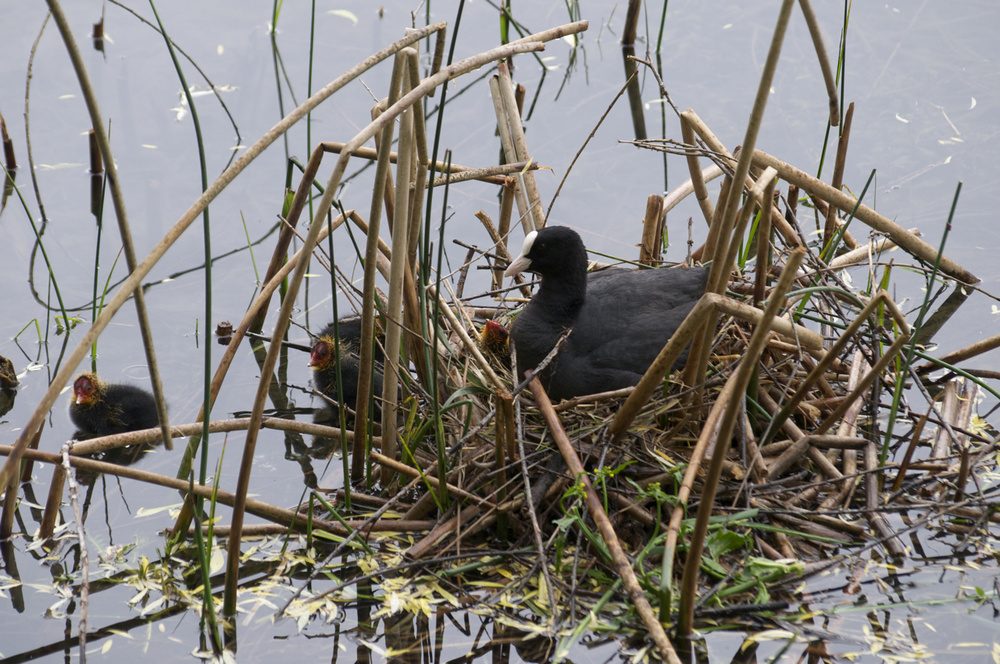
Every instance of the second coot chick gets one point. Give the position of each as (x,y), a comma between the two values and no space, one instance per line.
(620,319)
(103,409)
(324,362)
(494,340)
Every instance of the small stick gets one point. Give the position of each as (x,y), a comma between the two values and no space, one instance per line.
(837,180)
(763,263)
(652,231)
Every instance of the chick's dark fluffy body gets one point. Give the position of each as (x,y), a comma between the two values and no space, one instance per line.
(103,409)
(325,361)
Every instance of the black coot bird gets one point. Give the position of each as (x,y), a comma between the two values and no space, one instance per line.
(102,409)
(324,362)
(621,319)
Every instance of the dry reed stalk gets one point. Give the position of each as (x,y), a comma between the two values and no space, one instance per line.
(873,504)
(430,480)
(970,351)
(53,502)
(382,180)
(698,176)
(456,173)
(503,444)
(256,507)
(875,245)
(442,530)
(621,562)
(802,336)
(652,231)
(755,197)
(718,275)
(948,413)
(701,345)
(763,263)
(824,62)
(506,208)
(113,304)
(287,231)
(864,384)
(420,163)
(727,420)
(557,32)
(709,249)
(719,151)
(837,179)
(904,465)
(967,398)
(903,238)
(524,209)
(490,174)
(394,309)
(149,436)
(388,188)
(513,114)
(121,215)
(676,195)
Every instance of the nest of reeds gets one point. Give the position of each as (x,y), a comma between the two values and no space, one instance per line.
(787,440)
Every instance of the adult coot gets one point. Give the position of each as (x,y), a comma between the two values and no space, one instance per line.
(102,409)
(325,362)
(620,319)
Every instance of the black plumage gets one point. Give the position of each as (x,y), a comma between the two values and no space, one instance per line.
(620,318)
(325,361)
(102,409)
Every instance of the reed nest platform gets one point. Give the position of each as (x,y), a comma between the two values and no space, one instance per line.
(810,427)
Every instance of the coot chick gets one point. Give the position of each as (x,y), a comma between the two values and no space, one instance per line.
(494,340)
(102,409)
(620,319)
(324,362)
